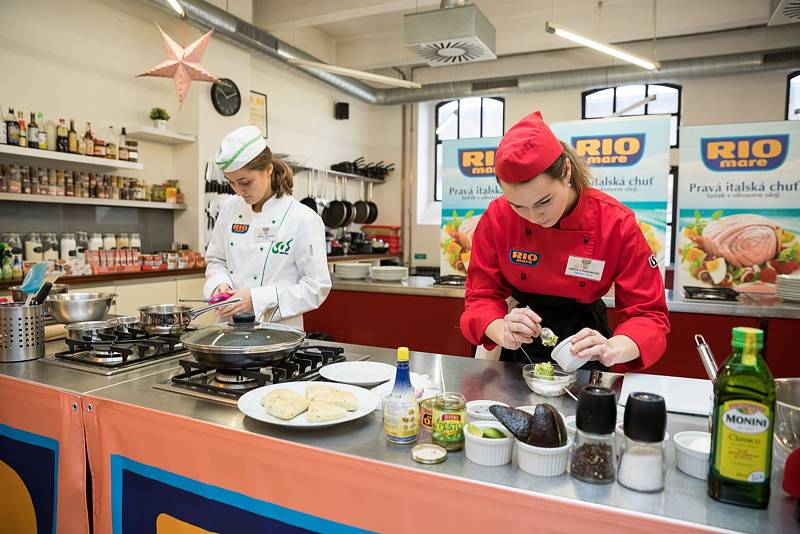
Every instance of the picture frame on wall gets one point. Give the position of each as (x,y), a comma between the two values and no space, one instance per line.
(258,111)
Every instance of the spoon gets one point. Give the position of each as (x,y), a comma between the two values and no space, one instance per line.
(548,337)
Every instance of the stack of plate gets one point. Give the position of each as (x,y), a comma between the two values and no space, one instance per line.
(352,271)
(788,287)
(389,273)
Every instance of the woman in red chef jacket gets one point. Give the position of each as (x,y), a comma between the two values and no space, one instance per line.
(557,245)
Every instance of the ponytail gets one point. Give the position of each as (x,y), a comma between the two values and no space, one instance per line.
(282,174)
(580,177)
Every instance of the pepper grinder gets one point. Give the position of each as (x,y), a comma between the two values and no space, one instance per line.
(641,462)
(593,458)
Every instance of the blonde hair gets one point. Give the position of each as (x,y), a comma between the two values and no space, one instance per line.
(580,176)
(282,174)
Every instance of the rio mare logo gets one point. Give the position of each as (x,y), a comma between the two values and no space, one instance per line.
(239,228)
(476,162)
(752,153)
(610,150)
(524,257)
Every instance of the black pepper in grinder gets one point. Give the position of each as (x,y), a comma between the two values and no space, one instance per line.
(594,452)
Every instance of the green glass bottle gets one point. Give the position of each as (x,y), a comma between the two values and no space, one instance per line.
(741,437)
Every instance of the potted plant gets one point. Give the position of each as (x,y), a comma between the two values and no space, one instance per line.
(159,116)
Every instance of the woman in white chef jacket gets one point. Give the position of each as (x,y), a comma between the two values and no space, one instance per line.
(266,247)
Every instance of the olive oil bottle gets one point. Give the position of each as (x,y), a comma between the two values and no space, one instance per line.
(741,439)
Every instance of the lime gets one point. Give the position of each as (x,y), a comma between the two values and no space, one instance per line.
(493,433)
(474,430)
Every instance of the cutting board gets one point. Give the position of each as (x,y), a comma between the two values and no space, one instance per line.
(682,395)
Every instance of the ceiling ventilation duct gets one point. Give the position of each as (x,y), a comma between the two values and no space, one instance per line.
(456,33)
(784,12)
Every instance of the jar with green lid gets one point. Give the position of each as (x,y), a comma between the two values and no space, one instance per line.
(449,418)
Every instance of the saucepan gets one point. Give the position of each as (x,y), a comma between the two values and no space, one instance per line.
(90,330)
(243,342)
(171,318)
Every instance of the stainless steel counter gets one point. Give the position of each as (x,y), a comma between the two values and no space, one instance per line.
(750,305)
(684,498)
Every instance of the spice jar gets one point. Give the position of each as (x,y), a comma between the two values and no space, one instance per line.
(109,241)
(136,241)
(82,244)
(133,151)
(33,247)
(641,461)
(594,451)
(123,241)
(95,241)
(50,246)
(68,246)
(449,418)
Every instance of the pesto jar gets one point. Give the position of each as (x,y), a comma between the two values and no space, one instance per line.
(449,418)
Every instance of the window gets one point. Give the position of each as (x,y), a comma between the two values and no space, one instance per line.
(599,103)
(793,97)
(475,117)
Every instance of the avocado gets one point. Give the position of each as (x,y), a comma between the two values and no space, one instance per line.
(548,428)
(519,423)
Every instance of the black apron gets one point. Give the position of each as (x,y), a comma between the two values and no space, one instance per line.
(564,317)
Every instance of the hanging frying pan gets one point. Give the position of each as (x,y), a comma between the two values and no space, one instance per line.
(362,208)
(373,208)
(348,206)
(335,213)
(310,201)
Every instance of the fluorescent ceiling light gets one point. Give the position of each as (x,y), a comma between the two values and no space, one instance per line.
(360,74)
(611,50)
(641,102)
(177,7)
(447,122)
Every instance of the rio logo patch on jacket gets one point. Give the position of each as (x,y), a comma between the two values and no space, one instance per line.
(476,161)
(753,153)
(524,257)
(282,247)
(239,228)
(610,150)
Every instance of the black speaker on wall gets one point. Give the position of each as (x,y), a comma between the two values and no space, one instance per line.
(341,111)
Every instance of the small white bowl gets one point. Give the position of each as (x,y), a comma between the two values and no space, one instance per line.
(569,422)
(563,356)
(691,461)
(491,452)
(478,410)
(547,387)
(543,461)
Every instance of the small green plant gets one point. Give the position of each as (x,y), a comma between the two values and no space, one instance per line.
(159,114)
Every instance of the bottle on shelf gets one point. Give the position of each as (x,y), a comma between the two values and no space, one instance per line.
(72,138)
(88,140)
(52,134)
(23,131)
(62,137)
(42,131)
(12,128)
(3,128)
(33,132)
(111,143)
(122,145)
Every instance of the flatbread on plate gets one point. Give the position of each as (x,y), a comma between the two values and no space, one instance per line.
(321,412)
(284,403)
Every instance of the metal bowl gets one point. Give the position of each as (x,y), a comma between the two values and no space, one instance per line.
(90,330)
(17,295)
(786,434)
(127,323)
(78,307)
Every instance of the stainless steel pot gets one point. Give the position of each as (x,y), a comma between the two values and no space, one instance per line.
(21,332)
(171,318)
(17,295)
(90,330)
(79,307)
(127,323)
(242,343)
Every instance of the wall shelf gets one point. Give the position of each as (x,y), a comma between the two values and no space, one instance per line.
(47,199)
(27,154)
(339,174)
(157,135)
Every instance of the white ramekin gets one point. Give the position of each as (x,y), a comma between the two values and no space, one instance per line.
(692,462)
(543,461)
(474,415)
(488,451)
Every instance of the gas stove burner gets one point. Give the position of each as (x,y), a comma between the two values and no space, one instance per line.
(233,378)
(104,356)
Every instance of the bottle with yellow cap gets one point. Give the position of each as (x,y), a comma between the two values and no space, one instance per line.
(741,439)
(401,409)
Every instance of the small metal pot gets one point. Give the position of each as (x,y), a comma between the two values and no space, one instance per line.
(172,318)
(127,323)
(79,307)
(90,330)
(17,295)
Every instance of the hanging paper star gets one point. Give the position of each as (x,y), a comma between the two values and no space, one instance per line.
(182,64)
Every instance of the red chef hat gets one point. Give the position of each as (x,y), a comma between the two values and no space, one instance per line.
(528,148)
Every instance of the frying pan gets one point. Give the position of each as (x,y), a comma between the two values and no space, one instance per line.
(348,206)
(169,318)
(310,201)
(334,214)
(361,207)
(373,208)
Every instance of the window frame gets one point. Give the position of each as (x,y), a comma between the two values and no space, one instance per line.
(789,78)
(677,115)
(437,141)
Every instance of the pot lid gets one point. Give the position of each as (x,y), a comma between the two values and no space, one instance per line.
(243,335)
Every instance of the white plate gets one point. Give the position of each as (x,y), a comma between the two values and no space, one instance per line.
(250,405)
(351,276)
(358,373)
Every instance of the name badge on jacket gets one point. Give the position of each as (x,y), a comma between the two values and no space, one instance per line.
(585,268)
(266,233)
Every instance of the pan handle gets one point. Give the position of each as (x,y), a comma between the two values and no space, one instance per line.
(199,311)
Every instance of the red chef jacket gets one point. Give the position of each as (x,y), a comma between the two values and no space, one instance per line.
(508,251)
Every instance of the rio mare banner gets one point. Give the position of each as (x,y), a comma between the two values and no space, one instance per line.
(468,186)
(629,160)
(738,205)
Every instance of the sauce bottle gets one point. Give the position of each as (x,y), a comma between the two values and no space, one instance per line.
(741,436)
(401,409)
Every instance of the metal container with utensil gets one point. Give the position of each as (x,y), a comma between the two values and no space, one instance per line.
(21,332)
(17,295)
(90,331)
(172,318)
(79,307)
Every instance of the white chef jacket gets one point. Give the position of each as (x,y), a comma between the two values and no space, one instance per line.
(278,253)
